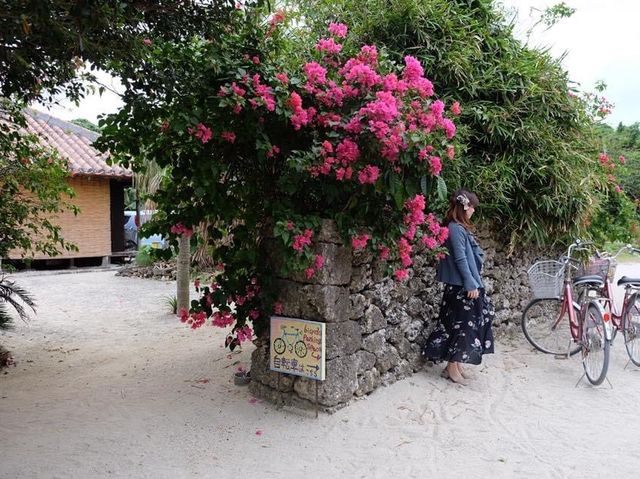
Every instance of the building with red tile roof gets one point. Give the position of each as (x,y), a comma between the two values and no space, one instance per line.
(73,142)
(98,229)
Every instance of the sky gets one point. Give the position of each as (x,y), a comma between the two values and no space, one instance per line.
(601,41)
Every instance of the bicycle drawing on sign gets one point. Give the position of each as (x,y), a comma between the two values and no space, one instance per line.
(291,339)
(297,347)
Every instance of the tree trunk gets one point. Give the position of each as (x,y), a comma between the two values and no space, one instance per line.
(183,266)
(138,220)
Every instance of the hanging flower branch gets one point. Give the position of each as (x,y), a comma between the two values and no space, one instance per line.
(270,149)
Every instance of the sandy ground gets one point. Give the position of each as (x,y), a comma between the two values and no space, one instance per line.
(110,385)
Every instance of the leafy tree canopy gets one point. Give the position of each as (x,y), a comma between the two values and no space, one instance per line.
(48,49)
(531,151)
(618,218)
(623,144)
(45,43)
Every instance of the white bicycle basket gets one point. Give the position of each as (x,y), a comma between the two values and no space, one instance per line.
(546,279)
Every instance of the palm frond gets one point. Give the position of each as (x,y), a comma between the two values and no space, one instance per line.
(5,318)
(16,296)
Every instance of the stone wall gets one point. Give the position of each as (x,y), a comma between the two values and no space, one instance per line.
(375,327)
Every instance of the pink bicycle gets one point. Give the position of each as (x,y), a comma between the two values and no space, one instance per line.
(627,319)
(543,318)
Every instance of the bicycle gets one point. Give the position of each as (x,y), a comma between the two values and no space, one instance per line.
(542,319)
(296,344)
(626,320)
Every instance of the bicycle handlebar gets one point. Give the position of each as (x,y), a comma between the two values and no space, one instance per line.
(627,247)
(574,263)
(578,245)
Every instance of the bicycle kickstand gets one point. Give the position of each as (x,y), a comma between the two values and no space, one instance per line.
(627,365)
(569,349)
(584,374)
(563,355)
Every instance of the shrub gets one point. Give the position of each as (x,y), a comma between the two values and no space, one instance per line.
(261,146)
(144,256)
(528,146)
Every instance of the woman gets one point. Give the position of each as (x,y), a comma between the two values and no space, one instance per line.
(463,333)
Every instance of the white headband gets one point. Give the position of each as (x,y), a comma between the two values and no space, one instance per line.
(464,201)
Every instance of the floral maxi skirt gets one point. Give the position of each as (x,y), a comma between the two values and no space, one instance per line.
(463,333)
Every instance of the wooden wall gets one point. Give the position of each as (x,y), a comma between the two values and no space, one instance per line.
(90,230)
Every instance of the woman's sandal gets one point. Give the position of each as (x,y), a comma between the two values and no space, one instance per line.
(445,374)
(466,374)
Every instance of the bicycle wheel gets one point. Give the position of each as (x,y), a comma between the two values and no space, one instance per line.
(279,346)
(631,329)
(301,349)
(595,347)
(544,331)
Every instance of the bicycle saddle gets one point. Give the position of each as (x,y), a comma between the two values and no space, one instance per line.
(632,281)
(589,279)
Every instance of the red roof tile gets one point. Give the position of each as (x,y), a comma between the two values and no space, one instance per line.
(73,143)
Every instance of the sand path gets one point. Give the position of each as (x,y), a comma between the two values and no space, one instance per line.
(108,385)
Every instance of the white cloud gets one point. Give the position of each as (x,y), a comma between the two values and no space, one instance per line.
(601,43)
(92,106)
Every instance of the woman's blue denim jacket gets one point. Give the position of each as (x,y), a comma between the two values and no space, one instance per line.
(463,264)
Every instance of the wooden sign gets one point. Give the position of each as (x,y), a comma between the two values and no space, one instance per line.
(298,347)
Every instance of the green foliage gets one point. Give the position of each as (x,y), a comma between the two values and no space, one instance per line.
(162,254)
(618,218)
(84,123)
(255,155)
(32,190)
(12,294)
(624,141)
(529,149)
(48,49)
(172,303)
(552,15)
(148,255)
(144,257)
(45,43)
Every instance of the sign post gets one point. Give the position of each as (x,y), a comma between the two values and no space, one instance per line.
(297,347)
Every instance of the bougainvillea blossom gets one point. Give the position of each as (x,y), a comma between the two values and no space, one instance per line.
(350,124)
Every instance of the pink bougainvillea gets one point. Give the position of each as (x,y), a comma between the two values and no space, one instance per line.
(328,45)
(435,165)
(201,132)
(338,29)
(273,151)
(401,274)
(222,319)
(181,230)
(360,241)
(360,139)
(244,334)
(283,78)
(302,240)
(228,136)
(369,174)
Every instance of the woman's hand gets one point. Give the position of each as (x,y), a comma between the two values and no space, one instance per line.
(473,294)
